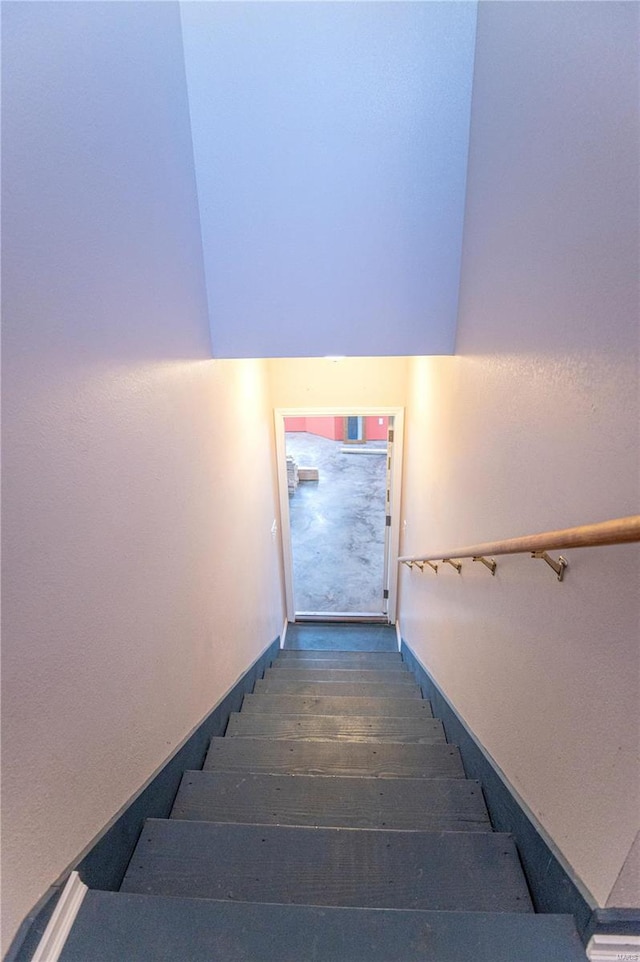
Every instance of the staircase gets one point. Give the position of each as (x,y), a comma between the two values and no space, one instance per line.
(332,823)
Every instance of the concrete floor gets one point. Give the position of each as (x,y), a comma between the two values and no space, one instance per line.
(338,527)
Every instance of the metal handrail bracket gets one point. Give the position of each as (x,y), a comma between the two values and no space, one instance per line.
(488,563)
(558,566)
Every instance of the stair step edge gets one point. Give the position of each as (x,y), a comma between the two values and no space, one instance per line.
(152,928)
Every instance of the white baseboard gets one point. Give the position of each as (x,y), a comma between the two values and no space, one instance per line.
(284,633)
(64,915)
(614,948)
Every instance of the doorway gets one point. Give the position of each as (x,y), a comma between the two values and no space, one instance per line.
(339,480)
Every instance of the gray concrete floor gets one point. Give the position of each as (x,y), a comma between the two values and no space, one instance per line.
(338,527)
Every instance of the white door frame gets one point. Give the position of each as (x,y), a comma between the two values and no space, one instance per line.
(396,488)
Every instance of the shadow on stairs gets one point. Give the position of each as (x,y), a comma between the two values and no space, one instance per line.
(331,823)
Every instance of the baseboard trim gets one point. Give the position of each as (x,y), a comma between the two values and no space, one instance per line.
(553,886)
(103,862)
(613,948)
(55,935)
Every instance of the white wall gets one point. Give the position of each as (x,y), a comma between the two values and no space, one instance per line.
(350,381)
(137,473)
(331,145)
(534,426)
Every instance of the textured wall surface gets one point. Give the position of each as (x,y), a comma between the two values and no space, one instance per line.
(535,426)
(137,472)
(331,146)
(625,891)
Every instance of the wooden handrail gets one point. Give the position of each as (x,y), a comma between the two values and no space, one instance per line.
(617,531)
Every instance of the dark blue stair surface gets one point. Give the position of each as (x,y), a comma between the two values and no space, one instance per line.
(279,685)
(448,871)
(335,705)
(364,663)
(392,676)
(428,804)
(336,727)
(332,823)
(377,759)
(331,637)
(119,927)
(350,659)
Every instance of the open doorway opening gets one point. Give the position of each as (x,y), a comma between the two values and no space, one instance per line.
(339,493)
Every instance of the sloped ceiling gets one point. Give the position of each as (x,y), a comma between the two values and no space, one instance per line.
(330,144)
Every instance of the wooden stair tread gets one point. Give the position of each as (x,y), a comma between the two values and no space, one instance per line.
(336,705)
(384,658)
(344,689)
(125,927)
(434,805)
(449,871)
(339,727)
(353,759)
(339,664)
(323,636)
(370,676)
